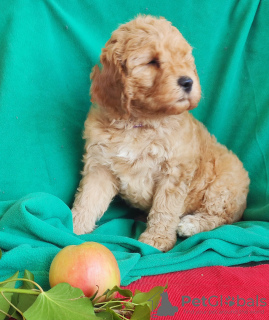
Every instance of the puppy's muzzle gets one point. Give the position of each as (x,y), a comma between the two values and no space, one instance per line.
(186,83)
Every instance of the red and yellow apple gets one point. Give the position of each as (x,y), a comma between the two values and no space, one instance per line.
(88,266)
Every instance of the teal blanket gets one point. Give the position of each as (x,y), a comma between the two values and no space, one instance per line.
(47,51)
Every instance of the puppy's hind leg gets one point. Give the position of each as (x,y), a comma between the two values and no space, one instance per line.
(224,203)
(96,190)
(198,222)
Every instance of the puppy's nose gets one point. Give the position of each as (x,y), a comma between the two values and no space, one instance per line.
(185,83)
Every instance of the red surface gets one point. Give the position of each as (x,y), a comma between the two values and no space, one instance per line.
(248,286)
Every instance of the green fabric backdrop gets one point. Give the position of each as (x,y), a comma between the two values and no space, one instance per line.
(47,50)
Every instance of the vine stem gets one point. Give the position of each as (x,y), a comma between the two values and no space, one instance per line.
(27,291)
(6,314)
(118,301)
(12,305)
(120,315)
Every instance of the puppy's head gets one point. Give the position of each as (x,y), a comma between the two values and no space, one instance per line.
(148,69)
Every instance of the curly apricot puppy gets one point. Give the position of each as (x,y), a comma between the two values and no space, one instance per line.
(142,143)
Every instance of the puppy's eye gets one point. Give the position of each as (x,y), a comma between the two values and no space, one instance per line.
(154,62)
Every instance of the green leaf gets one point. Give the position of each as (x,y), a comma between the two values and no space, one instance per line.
(115,316)
(124,292)
(114,304)
(26,284)
(4,305)
(0,253)
(104,315)
(21,300)
(129,305)
(17,316)
(141,313)
(150,298)
(137,291)
(94,296)
(61,302)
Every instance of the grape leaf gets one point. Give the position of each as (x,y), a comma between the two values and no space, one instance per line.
(104,315)
(150,298)
(4,305)
(124,292)
(61,302)
(94,295)
(24,301)
(137,291)
(113,304)
(141,313)
(129,305)
(113,314)
(28,276)
(16,317)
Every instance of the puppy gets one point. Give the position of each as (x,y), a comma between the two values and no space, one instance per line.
(143,144)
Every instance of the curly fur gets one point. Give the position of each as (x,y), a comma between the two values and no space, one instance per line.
(142,143)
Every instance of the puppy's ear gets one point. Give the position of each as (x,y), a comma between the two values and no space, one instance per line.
(109,84)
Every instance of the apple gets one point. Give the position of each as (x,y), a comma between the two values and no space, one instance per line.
(87,266)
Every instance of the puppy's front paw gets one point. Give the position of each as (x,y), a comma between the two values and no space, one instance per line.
(81,229)
(80,225)
(188,226)
(161,242)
